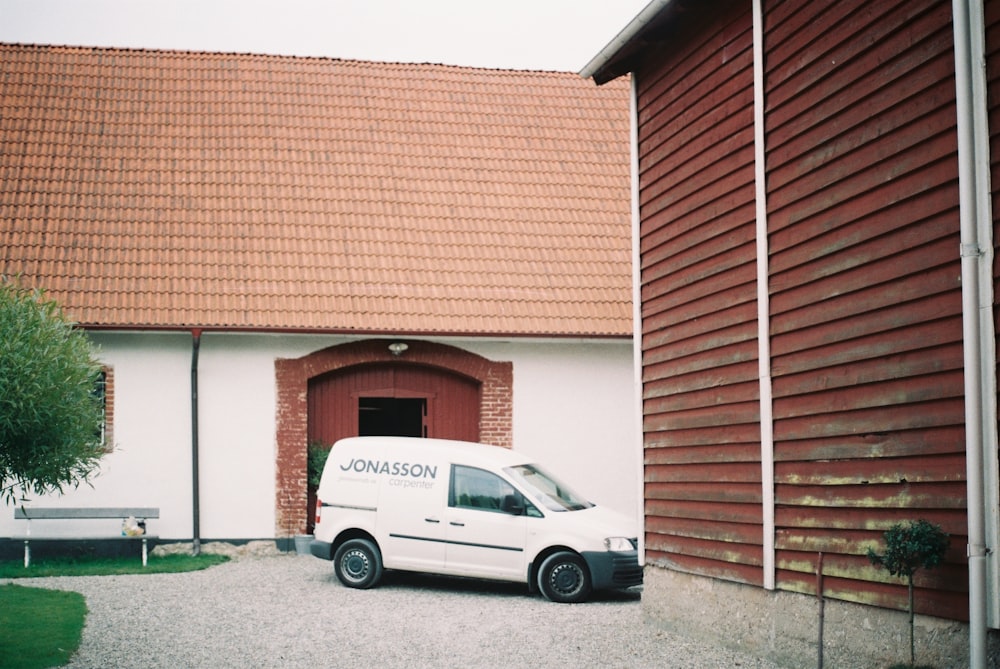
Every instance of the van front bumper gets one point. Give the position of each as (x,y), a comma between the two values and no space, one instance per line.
(321,549)
(610,570)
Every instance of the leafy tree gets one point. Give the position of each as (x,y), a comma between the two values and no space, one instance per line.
(908,547)
(50,416)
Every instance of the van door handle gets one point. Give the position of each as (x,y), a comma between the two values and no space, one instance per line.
(431,520)
(456,523)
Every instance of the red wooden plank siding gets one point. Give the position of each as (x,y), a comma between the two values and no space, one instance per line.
(699,346)
(992,45)
(992,21)
(866,317)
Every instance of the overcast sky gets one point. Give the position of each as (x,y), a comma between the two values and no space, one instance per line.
(517,34)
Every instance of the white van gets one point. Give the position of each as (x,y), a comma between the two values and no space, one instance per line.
(465,509)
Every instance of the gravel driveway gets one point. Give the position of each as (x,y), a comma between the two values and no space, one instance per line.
(290,611)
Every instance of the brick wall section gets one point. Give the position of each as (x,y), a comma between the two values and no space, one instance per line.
(497,408)
(292,379)
(109,408)
(291,435)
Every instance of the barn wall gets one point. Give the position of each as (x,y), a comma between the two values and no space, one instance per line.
(992,464)
(865,302)
(151,464)
(698,290)
(151,461)
(992,20)
(866,311)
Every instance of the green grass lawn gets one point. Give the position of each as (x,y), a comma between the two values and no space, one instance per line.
(92,566)
(42,628)
(39,628)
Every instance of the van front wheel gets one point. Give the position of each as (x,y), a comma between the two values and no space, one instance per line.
(358,564)
(563,578)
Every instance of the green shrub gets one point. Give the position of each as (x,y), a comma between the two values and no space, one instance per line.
(316,459)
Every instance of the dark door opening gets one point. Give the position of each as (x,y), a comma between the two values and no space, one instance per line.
(392,416)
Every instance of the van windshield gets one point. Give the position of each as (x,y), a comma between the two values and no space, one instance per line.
(553,494)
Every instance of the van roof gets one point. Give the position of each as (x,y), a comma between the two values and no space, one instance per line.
(472,452)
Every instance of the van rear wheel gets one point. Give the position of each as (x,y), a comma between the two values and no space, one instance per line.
(358,564)
(563,578)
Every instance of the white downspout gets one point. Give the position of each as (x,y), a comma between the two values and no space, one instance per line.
(633,109)
(987,326)
(763,302)
(977,327)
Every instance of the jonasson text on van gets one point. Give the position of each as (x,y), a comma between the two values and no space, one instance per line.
(414,470)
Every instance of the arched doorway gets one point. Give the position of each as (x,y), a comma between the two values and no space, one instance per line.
(431,378)
(393,399)
(390,399)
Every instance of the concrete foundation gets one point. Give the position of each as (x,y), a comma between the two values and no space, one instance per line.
(237,549)
(784,626)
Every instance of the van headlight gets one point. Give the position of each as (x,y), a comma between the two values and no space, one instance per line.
(618,544)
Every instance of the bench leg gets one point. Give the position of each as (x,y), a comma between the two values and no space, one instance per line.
(27,554)
(144,554)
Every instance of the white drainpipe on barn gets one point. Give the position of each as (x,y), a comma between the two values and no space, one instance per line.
(763,304)
(637,313)
(975,213)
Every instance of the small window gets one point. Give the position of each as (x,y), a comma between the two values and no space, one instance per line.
(104,392)
(478,489)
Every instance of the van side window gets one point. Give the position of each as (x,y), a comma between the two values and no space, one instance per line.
(473,488)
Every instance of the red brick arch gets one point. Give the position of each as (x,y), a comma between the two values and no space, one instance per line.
(292,380)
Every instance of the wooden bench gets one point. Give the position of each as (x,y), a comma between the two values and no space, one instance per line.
(141,514)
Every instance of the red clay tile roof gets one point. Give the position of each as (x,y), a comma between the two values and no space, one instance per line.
(173,189)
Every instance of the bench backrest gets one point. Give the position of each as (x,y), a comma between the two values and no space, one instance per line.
(20,513)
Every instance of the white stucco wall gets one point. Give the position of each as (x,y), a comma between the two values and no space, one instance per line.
(151,463)
(573,411)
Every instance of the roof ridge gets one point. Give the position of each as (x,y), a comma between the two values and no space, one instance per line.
(83,48)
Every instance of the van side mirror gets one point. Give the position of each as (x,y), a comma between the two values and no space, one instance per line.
(512,505)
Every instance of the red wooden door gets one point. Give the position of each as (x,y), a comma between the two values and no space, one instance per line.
(379,398)
(451,409)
